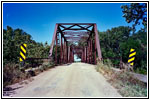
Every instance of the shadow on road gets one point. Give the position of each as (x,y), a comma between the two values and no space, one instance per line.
(7,91)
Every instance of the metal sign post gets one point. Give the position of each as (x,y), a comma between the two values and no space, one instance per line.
(22,54)
(131,57)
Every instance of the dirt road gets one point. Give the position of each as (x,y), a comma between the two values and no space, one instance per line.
(74,80)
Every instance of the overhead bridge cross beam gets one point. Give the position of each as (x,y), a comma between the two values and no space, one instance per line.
(66,40)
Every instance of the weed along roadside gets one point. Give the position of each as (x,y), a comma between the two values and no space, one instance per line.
(15,73)
(124,81)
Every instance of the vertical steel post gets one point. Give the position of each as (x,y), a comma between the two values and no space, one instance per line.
(97,43)
(73,57)
(88,52)
(85,54)
(82,57)
(53,40)
(66,52)
(95,49)
(56,49)
(70,55)
(91,51)
(61,51)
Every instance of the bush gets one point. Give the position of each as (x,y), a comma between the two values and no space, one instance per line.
(108,62)
(12,74)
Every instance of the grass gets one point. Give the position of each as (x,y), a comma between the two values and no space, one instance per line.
(123,81)
(14,73)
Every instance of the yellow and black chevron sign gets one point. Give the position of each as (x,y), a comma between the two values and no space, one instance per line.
(131,57)
(22,52)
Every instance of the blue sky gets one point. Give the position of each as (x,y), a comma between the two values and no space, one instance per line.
(39,19)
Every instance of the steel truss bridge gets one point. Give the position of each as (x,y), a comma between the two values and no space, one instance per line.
(66,40)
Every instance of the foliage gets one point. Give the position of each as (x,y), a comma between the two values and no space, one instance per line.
(58,53)
(12,39)
(136,13)
(12,74)
(108,62)
(117,42)
(111,41)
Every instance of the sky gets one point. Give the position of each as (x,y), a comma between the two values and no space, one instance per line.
(39,19)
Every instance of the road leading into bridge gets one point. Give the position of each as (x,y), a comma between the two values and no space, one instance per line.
(74,80)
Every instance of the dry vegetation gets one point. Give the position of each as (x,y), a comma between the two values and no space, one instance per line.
(14,73)
(123,81)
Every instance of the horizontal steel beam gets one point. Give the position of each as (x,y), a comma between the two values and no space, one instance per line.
(72,40)
(76,37)
(75,29)
(78,33)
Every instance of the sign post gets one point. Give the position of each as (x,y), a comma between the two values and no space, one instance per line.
(22,53)
(131,57)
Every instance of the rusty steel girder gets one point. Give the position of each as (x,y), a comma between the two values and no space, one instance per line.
(69,33)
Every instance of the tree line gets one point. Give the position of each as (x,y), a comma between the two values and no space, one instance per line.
(115,42)
(13,38)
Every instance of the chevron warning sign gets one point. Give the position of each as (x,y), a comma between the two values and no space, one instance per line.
(22,52)
(131,57)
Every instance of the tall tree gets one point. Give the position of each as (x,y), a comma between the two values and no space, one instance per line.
(136,13)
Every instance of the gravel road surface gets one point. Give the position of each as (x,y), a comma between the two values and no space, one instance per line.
(74,80)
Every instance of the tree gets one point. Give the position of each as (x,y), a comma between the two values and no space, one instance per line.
(136,13)
(12,39)
(117,42)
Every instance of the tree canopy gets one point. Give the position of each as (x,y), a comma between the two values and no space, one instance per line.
(117,42)
(136,13)
(12,39)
